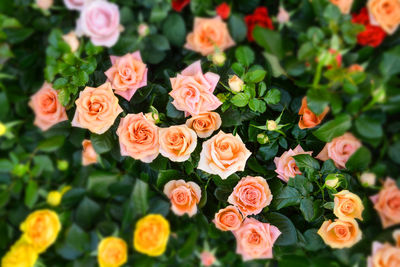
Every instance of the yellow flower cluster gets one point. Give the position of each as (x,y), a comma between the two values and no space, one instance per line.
(39,231)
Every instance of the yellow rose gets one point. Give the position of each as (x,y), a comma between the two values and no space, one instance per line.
(112,252)
(348,206)
(151,235)
(3,129)
(54,197)
(21,254)
(41,228)
(340,234)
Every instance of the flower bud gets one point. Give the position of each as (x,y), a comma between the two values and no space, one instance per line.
(218,58)
(283,16)
(72,40)
(153,117)
(272,125)
(20,169)
(262,138)
(235,83)
(207,258)
(54,198)
(62,165)
(143,29)
(44,4)
(332,181)
(368,179)
(3,129)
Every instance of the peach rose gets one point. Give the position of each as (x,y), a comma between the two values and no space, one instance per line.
(209,34)
(89,155)
(177,142)
(384,255)
(254,239)
(228,219)
(348,206)
(387,203)
(72,40)
(207,258)
(251,195)
(286,167)
(74,4)
(96,109)
(343,5)
(340,149)
(223,155)
(48,110)
(309,119)
(355,68)
(127,74)
(138,138)
(340,234)
(385,13)
(44,4)
(396,237)
(204,124)
(192,90)
(184,196)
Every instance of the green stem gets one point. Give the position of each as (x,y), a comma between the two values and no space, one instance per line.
(318,73)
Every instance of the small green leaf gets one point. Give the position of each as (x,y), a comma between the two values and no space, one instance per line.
(31,194)
(52,144)
(255,76)
(257,105)
(307,209)
(139,194)
(273,97)
(244,55)
(360,160)
(333,128)
(240,100)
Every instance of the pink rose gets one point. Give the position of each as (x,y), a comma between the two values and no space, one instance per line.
(89,155)
(184,196)
(286,167)
(44,4)
(340,149)
(48,110)
(74,4)
(254,239)
(207,258)
(384,255)
(387,203)
(127,74)
(138,138)
(251,195)
(192,90)
(99,20)
(283,16)
(228,219)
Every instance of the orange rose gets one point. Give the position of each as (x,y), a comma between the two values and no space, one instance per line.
(348,206)
(138,138)
(385,13)
(396,237)
(184,196)
(89,155)
(96,109)
(177,142)
(355,68)
(223,155)
(343,5)
(340,234)
(209,34)
(251,195)
(112,252)
(48,110)
(387,203)
(204,124)
(228,219)
(309,119)
(384,255)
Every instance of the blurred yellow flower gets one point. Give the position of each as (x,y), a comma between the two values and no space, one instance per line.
(3,129)
(151,235)
(41,228)
(21,254)
(54,197)
(112,252)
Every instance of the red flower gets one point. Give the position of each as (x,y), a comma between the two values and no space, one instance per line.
(259,17)
(223,10)
(372,35)
(178,5)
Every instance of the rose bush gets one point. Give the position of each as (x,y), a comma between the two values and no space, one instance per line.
(189,132)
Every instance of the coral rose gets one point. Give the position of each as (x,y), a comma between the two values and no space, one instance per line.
(286,167)
(251,195)
(21,254)
(228,219)
(343,5)
(204,124)
(192,90)
(74,4)
(99,20)
(384,255)
(385,13)
(387,203)
(89,155)
(112,252)
(48,110)
(127,74)
(184,196)
(151,235)
(340,234)
(254,239)
(138,138)
(177,142)
(96,109)
(348,206)
(41,228)
(207,258)
(309,119)
(259,18)
(209,35)
(223,155)
(340,149)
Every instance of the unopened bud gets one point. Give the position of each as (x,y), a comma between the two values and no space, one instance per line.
(332,181)
(62,165)
(72,40)
(262,138)
(54,198)
(218,58)
(272,125)
(153,117)
(368,179)
(3,129)
(143,29)
(235,83)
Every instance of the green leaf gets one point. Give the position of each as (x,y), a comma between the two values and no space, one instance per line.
(172,112)
(99,182)
(226,184)
(257,105)
(87,213)
(60,83)
(313,240)
(6,165)
(238,68)
(307,209)
(139,193)
(394,152)
(317,100)
(160,42)
(368,127)
(360,160)
(333,128)
(270,40)
(273,96)
(189,246)
(80,78)
(288,235)
(237,28)
(174,29)
(102,143)
(389,66)
(31,194)
(240,100)
(52,144)
(255,76)
(302,184)
(304,161)
(244,55)
(268,151)
(289,196)
(276,67)
(164,176)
